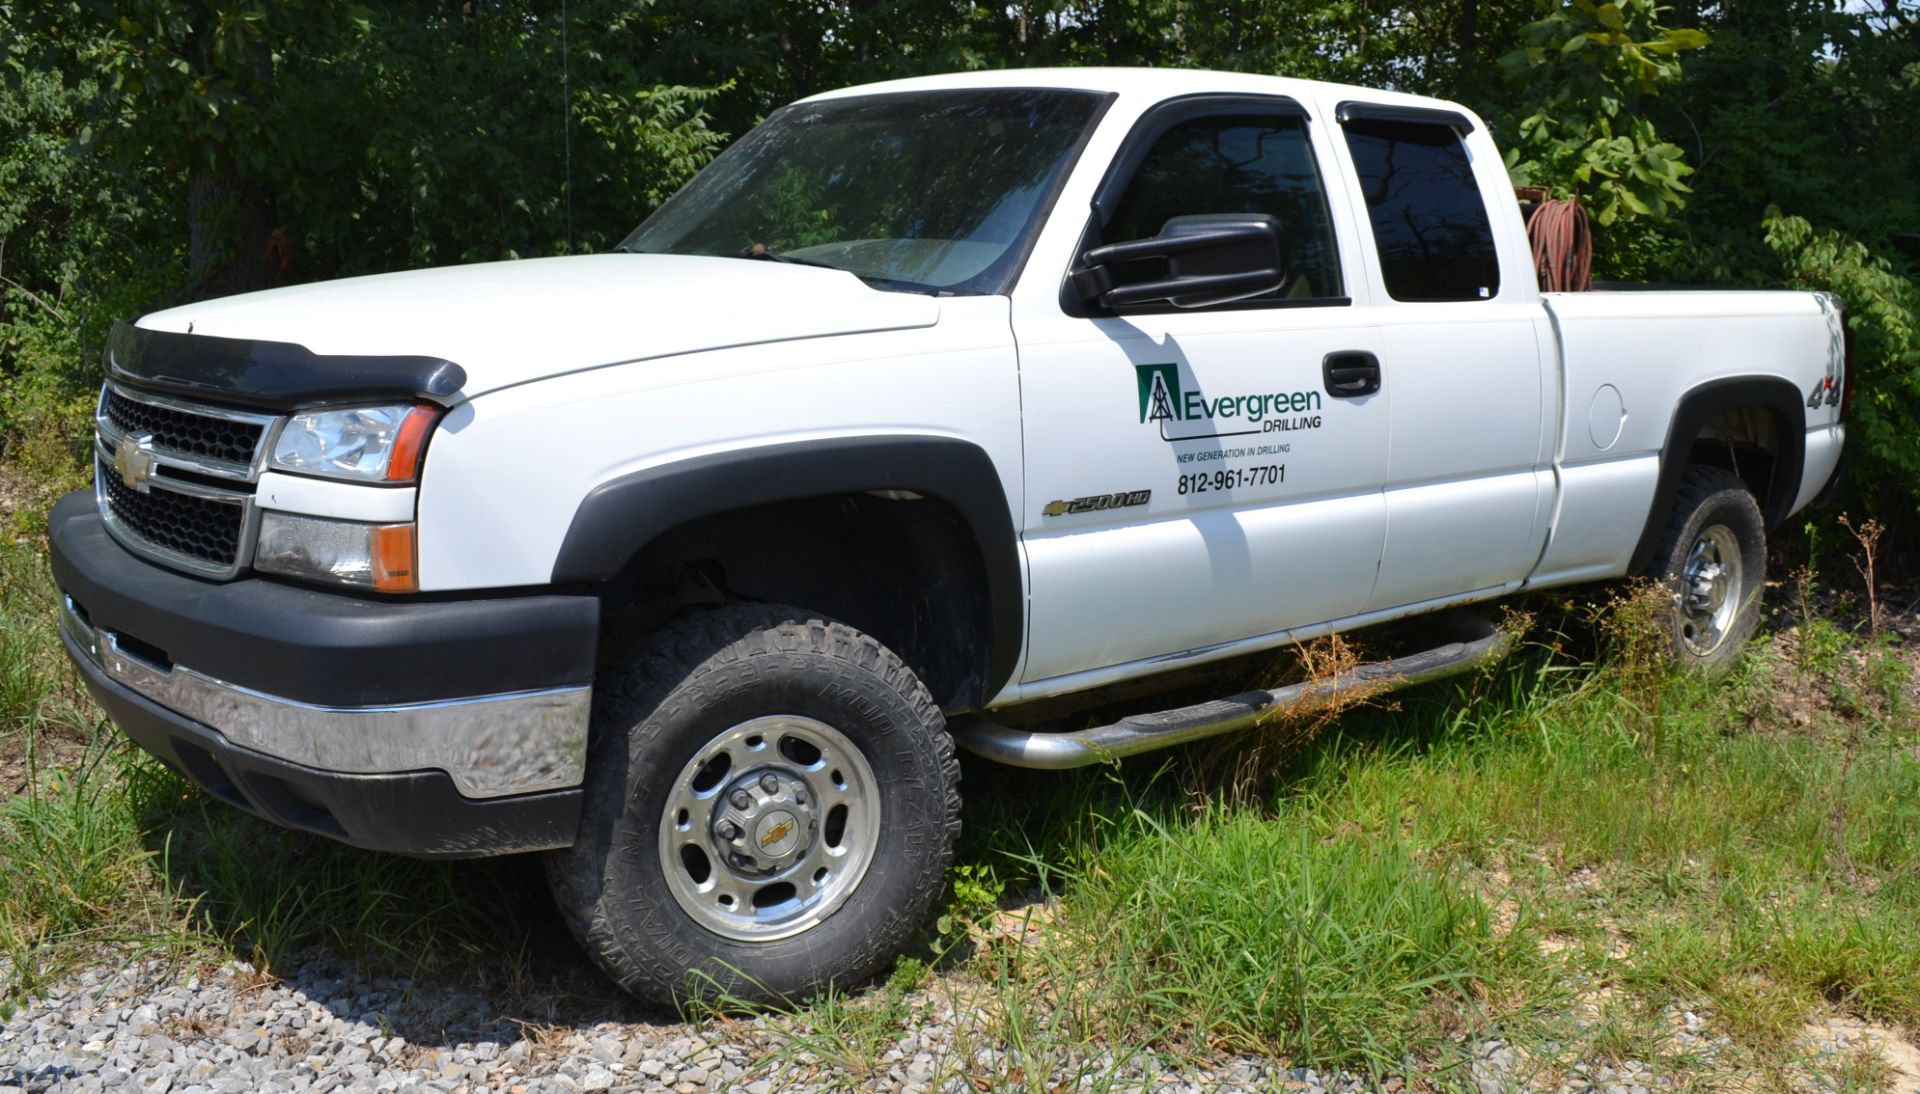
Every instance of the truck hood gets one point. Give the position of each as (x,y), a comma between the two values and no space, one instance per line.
(506,323)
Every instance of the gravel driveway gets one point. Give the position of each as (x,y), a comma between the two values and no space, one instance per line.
(227,1031)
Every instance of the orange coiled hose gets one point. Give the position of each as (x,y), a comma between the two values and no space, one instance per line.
(1562,246)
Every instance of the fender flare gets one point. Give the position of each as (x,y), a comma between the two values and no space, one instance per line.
(618,518)
(1701,405)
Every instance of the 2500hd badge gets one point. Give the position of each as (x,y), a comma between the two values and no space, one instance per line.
(1096,502)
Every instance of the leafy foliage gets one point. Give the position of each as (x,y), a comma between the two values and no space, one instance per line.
(159,150)
(172,149)
(1803,104)
(1883,310)
(77,242)
(1586,68)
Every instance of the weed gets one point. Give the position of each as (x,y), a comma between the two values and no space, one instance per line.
(1861,1068)
(1244,768)
(1868,535)
(974,892)
(850,1032)
(75,874)
(1625,1030)
(1265,936)
(909,975)
(1638,631)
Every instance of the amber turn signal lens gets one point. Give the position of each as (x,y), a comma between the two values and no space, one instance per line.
(410,443)
(393,559)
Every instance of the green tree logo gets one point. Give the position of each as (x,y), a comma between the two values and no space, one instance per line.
(1159,392)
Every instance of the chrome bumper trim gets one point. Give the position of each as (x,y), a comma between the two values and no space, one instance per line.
(490,745)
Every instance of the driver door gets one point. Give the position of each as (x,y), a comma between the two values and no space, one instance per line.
(1194,483)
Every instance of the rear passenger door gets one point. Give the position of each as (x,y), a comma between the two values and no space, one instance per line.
(1465,353)
(1191,484)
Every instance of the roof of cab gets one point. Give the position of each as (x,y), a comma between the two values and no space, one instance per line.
(1145,83)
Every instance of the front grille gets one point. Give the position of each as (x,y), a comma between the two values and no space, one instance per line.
(179,430)
(201,529)
(188,499)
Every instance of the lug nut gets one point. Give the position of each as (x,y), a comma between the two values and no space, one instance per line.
(769,784)
(727,831)
(740,799)
(799,796)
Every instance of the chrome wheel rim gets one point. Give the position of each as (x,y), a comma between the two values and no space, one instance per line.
(1710,584)
(769,828)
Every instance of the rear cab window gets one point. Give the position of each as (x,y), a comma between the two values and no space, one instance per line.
(1430,225)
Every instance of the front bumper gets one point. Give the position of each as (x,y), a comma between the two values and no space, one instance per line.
(424,727)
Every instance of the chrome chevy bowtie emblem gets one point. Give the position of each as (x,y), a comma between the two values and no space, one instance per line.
(133,460)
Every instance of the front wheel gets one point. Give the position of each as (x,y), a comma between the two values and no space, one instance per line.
(771,803)
(1713,561)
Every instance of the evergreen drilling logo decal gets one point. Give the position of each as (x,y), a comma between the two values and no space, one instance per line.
(1159,391)
(1163,400)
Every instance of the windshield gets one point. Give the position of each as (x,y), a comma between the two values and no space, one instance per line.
(927,191)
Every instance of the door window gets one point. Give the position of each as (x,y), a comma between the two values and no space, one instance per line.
(1429,221)
(1238,164)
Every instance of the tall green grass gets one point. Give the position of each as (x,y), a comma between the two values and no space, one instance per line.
(76,881)
(37,690)
(103,852)
(1490,857)
(1272,937)
(73,869)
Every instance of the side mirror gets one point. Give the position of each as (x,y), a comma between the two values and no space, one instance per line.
(1213,259)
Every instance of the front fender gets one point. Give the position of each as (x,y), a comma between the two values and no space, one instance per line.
(618,518)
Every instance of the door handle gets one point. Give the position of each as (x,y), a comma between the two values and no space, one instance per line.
(1350,374)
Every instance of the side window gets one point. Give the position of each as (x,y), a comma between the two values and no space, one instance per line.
(1235,165)
(1429,220)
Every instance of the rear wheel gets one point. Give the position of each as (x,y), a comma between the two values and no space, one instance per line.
(771,803)
(1713,560)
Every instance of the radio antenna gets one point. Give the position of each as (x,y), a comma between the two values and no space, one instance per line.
(566,124)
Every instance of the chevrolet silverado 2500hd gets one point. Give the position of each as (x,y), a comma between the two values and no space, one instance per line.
(923,402)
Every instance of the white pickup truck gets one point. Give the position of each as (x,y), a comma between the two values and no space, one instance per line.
(689,563)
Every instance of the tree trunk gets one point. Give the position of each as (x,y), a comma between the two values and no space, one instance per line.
(231,247)
(229,235)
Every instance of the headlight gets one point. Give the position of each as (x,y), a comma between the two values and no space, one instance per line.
(343,552)
(366,444)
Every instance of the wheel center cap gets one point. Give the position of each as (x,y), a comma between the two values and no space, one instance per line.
(777,833)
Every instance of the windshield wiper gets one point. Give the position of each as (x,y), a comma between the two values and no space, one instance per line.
(763,253)
(759,252)
(885,284)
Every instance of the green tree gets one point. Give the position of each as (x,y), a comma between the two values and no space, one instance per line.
(1810,105)
(156,149)
(1883,311)
(1586,71)
(192,85)
(324,138)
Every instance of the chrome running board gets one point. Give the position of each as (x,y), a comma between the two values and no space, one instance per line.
(1481,643)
